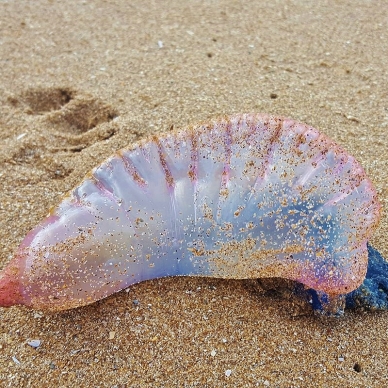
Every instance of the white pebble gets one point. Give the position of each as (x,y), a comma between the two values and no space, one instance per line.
(34,343)
(228,372)
(213,353)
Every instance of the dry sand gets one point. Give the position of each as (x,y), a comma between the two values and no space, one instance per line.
(79,80)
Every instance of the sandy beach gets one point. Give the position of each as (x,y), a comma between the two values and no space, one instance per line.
(80,80)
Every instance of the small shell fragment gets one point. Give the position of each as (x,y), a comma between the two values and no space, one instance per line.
(35,343)
(15,360)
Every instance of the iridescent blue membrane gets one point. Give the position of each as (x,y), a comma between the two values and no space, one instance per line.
(372,295)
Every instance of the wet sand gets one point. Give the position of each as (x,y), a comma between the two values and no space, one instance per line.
(80,80)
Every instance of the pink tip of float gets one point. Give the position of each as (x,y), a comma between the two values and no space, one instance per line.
(10,292)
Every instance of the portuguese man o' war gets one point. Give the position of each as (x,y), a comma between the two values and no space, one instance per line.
(245,196)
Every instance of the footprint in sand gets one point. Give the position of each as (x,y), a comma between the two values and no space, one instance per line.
(69,119)
(67,110)
(42,100)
